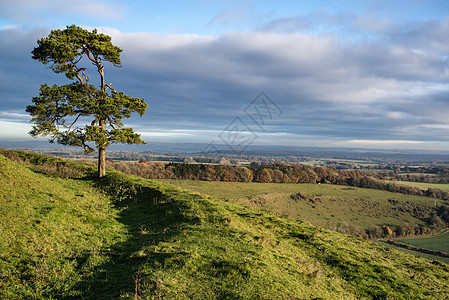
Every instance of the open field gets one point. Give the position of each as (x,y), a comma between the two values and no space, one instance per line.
(124,237)
(324,205)
(417,253)
(436,243)
(424,185)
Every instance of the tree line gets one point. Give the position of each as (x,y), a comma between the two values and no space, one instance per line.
(427,174)
(275,173)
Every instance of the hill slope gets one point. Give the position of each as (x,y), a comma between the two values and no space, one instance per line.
(63,239)
(325,205)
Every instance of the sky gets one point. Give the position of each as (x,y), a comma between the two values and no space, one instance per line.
(343,73)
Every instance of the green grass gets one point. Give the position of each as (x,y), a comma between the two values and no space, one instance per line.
(436,243)
(131,238)
(329,204)
(51,231)
(417,253)
(424,185)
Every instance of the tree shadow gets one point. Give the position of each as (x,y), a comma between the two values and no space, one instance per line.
(150,217)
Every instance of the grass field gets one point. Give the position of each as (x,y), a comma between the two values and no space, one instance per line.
(417,253)
(424,185)
(52,231)
(436,243)
(123,237)
(326,206)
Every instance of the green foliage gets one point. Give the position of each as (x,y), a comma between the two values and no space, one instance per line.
(50,165)
(64,48)
(58,109)
(163,242)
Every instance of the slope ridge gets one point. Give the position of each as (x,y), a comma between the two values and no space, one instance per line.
(49,229)
(158,241)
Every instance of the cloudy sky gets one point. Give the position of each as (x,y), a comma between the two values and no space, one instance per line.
(341,73)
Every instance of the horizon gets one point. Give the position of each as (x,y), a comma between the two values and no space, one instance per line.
(329,74)
(201,150)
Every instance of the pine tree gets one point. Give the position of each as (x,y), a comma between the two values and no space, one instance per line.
(58,110)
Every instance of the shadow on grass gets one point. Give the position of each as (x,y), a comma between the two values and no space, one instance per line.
(150,217)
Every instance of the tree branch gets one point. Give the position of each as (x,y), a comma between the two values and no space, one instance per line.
(76,119)
(85,75)
(87,148)
(109,86)
(110,123)
(97,62)
(75,68)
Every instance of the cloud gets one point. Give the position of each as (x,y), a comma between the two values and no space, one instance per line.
(313,21)
(229,17)
(20,75)
(328,87)
(38,10)
(14,130)
(14,116)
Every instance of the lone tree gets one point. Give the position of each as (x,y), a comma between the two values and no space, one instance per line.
(99,108)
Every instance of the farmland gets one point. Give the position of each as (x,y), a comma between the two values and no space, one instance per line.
(329,206)
(417,253)
(425,185)
(436,243)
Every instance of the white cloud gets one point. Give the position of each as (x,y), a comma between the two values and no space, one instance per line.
(14,130)
(328,87)
(37,10)
(318,77)
(14,115)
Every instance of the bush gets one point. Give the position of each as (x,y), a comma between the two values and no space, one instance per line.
(48,165)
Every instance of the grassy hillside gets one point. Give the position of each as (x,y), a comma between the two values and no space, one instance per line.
(51,231)
(141,239)
(323,205)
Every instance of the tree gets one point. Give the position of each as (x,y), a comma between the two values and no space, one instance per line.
(265,176)
(59,109)
(243,174)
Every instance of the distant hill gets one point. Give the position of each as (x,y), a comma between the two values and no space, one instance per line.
(127,237)
(201,149)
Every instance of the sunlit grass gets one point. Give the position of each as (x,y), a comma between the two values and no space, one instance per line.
(436,243)
(328,204)
(131,238)
(425,185)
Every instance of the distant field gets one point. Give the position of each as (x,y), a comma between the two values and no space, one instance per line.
(436,243)
(325,205)
(425,255)
(425,185)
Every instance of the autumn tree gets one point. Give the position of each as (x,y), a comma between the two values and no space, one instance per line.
(278,176)
(265,176)
(243,174)
(82,113)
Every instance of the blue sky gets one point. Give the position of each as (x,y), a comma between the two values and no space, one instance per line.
(370,74)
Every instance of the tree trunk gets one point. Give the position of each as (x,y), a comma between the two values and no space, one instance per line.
(102,154)
(101,162)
